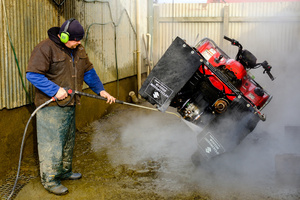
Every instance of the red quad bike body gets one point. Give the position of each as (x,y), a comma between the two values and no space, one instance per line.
(210,90)
(235,70)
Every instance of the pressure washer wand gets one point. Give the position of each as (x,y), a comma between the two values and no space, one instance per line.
(93,96)
(118,101)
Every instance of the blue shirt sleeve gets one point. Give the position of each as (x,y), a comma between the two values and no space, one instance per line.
(41,82)
(93,81)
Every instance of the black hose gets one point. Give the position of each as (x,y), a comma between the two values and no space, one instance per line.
(22,144)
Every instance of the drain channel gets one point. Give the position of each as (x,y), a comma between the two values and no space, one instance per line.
(5,189)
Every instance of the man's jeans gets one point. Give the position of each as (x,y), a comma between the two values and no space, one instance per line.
(56,138)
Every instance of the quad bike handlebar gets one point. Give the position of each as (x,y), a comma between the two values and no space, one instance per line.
(265,65)
(267,68)
(234,42)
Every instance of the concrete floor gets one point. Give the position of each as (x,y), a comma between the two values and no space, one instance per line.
(133,153)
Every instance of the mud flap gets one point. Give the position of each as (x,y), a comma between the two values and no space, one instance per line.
(226,131)
(170,74)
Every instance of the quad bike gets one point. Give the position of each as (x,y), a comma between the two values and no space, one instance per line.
(210,90)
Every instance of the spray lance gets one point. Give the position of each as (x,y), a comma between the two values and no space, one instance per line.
(71,93)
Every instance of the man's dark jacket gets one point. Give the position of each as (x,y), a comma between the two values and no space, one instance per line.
(59,64)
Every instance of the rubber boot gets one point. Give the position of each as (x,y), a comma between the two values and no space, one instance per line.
(59,190)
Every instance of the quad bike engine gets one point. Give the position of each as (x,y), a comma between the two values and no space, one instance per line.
(210,90)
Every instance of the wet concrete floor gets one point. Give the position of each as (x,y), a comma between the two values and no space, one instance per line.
(133,153)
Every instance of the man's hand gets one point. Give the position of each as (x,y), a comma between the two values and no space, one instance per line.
(110,99)
(61,94)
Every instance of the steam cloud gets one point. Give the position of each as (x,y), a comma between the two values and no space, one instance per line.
(248,172)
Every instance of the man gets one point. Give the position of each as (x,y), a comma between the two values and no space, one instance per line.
(57,63)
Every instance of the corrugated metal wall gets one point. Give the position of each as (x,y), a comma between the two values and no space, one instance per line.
(110,42)
(110,27)
(265,27)
(27,23)
(111,37)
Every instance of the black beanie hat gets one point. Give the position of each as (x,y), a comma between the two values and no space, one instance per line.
(75,30)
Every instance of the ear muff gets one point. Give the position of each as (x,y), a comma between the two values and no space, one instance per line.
(64,36)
